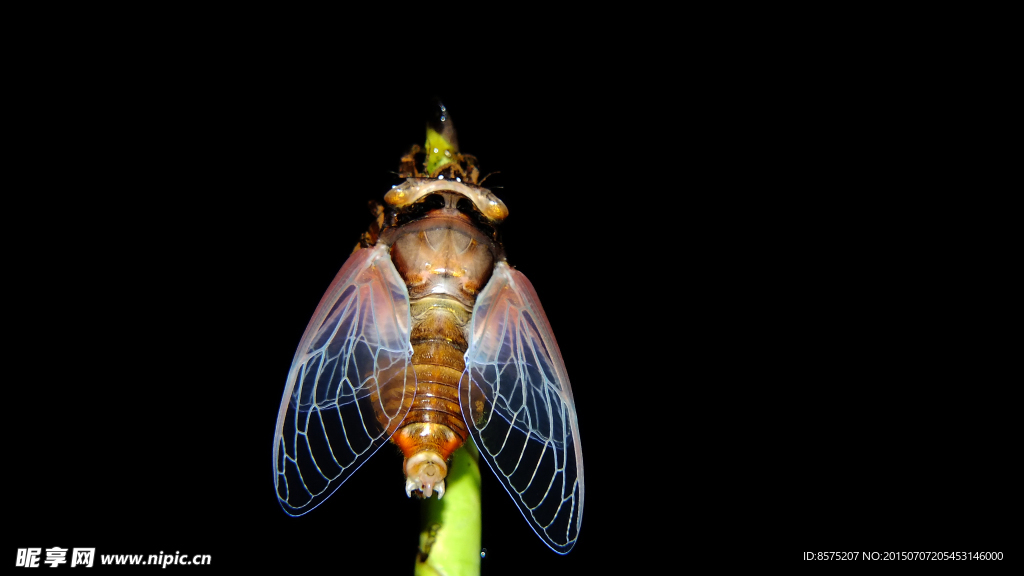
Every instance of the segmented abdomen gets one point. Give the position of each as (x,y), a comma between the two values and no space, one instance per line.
(438,340)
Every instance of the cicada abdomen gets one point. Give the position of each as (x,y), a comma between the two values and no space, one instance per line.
(427,337)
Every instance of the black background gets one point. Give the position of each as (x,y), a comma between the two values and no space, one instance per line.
(772,337)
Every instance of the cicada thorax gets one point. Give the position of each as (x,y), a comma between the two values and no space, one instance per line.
(445,257)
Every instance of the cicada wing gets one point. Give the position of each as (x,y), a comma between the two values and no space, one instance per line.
(518,404)
(350,384)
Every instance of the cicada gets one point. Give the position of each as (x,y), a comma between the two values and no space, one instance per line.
(425,337)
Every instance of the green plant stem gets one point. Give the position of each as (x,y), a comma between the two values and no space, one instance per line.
(450,539)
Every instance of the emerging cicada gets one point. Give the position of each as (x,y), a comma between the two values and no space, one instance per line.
(424,337)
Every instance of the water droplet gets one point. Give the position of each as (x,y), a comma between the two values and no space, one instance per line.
(394,186)
(443,118)
(448,153)
(483,553)
(435,150)
(440,177)
(443,109)
(457,179)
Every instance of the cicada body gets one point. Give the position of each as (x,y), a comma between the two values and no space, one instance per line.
(427,337)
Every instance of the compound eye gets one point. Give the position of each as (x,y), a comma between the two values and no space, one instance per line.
(466,206)
(433,202)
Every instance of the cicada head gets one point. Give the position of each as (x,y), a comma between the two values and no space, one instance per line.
(446,169)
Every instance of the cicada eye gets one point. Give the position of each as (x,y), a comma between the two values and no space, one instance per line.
(467,207)
(432,202)
(421,207)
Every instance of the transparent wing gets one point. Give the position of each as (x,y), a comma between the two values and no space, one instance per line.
(519,407)
(349,385)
